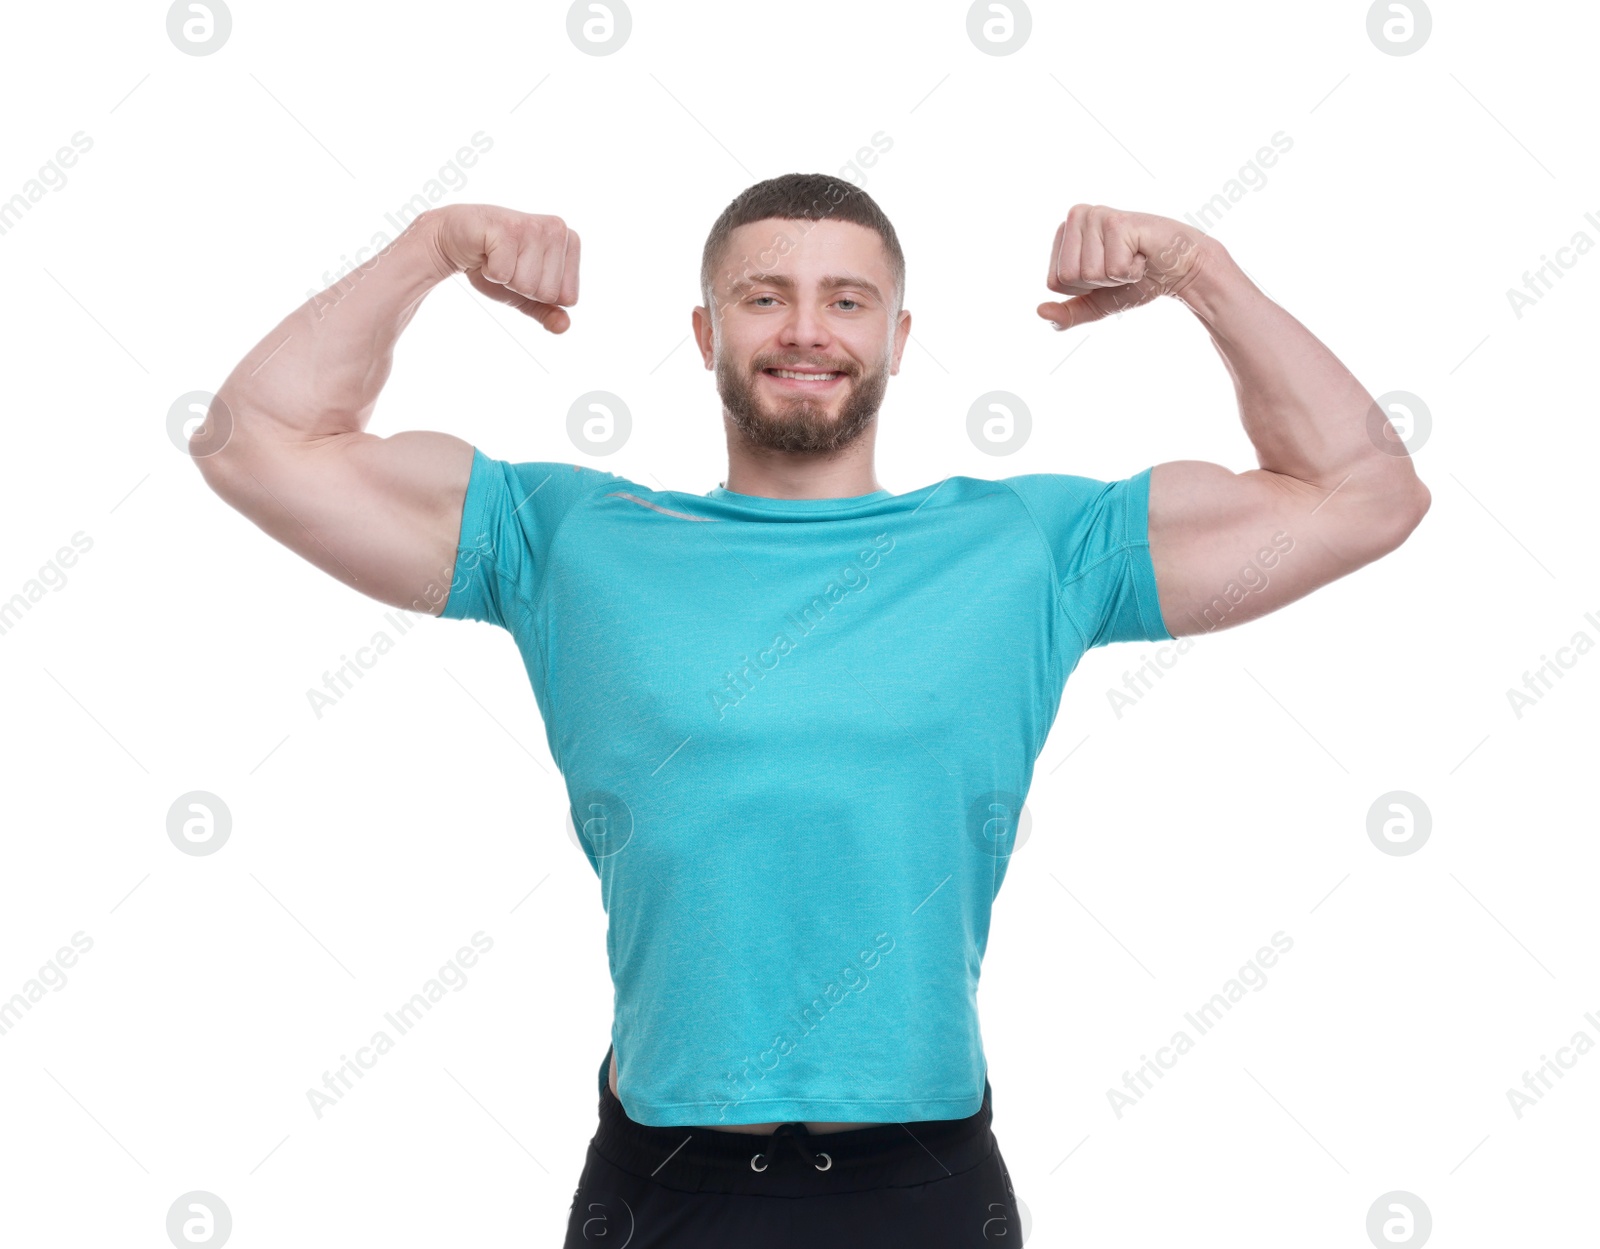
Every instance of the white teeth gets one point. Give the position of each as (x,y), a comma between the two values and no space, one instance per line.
(804,377)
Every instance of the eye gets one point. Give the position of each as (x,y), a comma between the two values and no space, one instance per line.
(763,297)
(848,301)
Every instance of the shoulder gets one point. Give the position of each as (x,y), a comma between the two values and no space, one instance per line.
(541,485)
(561,475)
(1062,488)
(1071,500)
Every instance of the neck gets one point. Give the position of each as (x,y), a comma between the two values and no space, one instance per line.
(797,475)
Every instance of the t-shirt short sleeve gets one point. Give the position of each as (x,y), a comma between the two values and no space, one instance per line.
(1098,534)
(508,518)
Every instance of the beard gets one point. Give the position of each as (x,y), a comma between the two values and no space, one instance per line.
(798,422)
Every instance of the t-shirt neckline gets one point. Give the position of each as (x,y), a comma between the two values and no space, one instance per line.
(766,503)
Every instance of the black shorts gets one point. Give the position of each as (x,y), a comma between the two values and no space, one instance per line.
(929,1184)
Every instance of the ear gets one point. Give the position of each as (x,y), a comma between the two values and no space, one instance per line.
(704,334)
(902,333)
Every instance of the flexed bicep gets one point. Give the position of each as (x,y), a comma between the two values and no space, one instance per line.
(1228,547)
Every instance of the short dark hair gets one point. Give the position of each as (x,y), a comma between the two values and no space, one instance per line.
(802,197)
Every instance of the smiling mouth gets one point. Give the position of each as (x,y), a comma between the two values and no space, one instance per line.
(804,379)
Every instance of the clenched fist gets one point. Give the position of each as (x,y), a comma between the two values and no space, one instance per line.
(522,259)
(1111,261)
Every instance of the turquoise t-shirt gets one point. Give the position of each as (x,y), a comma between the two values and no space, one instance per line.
(795,736)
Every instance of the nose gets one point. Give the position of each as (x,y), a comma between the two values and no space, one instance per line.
(804,328)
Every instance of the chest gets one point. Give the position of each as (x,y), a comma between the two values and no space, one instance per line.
(757,639)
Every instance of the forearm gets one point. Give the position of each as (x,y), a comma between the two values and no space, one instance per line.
(1306,414)
(319,371)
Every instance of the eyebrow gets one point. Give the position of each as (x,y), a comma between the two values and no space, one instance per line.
(833,281)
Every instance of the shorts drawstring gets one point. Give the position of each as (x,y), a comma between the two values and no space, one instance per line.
(878,1156)
(798,1135)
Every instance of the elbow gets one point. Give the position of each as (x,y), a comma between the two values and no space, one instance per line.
(207,440)
(1416,508)
(1405,516)
(216,427)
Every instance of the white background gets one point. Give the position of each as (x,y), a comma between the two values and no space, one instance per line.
(1168,844)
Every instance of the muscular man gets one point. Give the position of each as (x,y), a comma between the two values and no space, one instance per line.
(797,715)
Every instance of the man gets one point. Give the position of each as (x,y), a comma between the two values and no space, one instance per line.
(798,715)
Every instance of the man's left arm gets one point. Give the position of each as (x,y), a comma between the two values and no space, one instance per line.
(1336,488)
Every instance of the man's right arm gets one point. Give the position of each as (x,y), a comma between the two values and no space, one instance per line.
(286,441)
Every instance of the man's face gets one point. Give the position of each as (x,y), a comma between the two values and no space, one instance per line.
(812,297)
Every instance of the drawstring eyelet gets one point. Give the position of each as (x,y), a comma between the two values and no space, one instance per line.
(793,1132)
